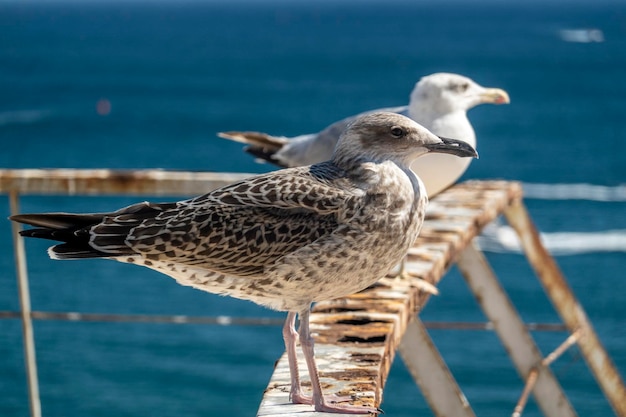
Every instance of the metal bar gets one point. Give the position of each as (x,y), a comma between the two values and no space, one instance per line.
(489,326)
(530,384)
(240,321)
(146,318)
(532,377)
(25,310)
(151,182)
(556,353)
(568,307)
(512,332)
(430,372)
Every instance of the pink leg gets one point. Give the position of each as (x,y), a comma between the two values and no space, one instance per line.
(320,403)
(291,336)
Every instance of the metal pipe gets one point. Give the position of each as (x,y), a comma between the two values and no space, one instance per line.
(25,310)
(243,321)
(431,374)
(534,373)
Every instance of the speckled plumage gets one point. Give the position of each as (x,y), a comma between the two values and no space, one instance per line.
(284,239)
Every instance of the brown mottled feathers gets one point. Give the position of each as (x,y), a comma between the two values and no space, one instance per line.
(271,215)
(266,216)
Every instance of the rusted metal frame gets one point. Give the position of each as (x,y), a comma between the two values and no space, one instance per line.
(532,376)
(423,360)
(485,202)
(510,328)
(568,307)
(150,182)
(25,310)
(431,373)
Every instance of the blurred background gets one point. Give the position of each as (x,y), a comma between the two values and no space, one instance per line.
(147,84)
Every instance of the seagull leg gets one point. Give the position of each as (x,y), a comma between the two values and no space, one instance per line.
(291,336)
(402,272)
(321,403)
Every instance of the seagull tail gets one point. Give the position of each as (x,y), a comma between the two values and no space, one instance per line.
(70,229)
(96,235)
(260,145)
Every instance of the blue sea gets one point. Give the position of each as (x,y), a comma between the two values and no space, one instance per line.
(147,84)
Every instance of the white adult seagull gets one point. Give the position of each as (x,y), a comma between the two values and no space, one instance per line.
(439,102)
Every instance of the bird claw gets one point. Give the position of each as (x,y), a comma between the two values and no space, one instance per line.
(330,404)
(346,409)
(299,398)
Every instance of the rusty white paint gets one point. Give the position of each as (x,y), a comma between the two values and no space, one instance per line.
(431,373)
(509,326)
(568,307)
(332,360)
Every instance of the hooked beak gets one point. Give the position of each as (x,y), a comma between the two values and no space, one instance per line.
(454,147)
(495,96)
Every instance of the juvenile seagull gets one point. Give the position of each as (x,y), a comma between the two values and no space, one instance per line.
(439,102)
(284,239)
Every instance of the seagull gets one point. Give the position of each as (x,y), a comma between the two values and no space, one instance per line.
(284,239)
(439,102)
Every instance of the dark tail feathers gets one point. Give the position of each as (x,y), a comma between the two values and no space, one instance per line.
(71,229)
(75,230)
(260,145)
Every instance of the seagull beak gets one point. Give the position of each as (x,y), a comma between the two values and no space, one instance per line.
(495,96)
(452,146)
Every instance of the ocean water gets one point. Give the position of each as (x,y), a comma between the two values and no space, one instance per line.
(175,73)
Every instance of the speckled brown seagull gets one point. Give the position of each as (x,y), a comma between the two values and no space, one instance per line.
(284,239)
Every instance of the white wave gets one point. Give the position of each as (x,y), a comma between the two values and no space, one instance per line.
(581,35)
(575,192)
(22,116)
(502,238)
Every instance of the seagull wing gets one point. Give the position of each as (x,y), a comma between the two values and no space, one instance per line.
(241,228)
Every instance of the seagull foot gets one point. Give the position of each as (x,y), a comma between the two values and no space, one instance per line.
(299,398)
(329,404)
(332,407)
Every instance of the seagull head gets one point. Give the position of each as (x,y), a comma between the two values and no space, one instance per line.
(385,136)
(443,93)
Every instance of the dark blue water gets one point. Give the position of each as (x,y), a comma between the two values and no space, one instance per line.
(176,73)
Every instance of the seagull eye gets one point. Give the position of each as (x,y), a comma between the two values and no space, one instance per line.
(397,132)
(461,88)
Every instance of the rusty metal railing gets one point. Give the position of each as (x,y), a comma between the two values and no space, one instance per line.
(15,183)
(446,239)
